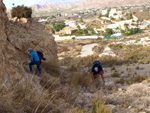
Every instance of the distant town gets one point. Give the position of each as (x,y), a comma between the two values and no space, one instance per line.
(98,23)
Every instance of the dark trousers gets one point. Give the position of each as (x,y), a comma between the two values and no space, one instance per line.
(37,63)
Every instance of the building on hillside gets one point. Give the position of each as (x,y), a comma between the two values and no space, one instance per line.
(115,14)
(42,20)
(105,18)
(71,23)
(134,18)
(123,23)
(114,26)
(67,31)
(104,12)
(82,26)
(112,12)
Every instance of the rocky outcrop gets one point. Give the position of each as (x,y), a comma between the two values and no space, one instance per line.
(21,91)
(16,38)
(8,61)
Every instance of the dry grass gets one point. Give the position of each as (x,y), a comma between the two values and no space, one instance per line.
(142,15)
(28,95)
(95,24)
(136,79)
(81,79)
(98,106)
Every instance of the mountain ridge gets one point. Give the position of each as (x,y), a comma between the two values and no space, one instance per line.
(87,4)
(42,2)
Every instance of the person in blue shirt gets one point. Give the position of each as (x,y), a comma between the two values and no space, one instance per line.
(35,60)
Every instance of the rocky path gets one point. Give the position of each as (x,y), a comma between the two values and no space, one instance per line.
(107,52)
(87,50)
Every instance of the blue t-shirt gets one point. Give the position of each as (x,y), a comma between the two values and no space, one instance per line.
(34,56)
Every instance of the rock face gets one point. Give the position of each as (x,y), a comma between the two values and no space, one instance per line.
(16,38)
(18,88)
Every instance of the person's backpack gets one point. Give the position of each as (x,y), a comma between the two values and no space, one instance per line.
(96,62)
(41,56)
(97,66)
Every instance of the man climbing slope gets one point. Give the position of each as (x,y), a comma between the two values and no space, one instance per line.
(96,71)
(35,60)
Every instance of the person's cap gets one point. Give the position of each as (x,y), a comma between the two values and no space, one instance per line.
(30,49)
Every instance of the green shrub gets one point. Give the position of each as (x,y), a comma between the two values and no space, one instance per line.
(73,38)
(122,80)
(148,80)
(99,107)
(137,79)
(137,68)
(21,11)
(99,38)
(115,74)
(108,32)
(59,25)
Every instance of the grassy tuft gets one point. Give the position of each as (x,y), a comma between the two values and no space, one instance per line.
(136,79)
(122,80)
(148,80)
(80,79)
(115,74)
(99,107)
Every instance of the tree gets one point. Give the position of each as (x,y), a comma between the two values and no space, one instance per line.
(53,31)
(108,32)
(21,11)
(13,4)
(81,20)
(59,26)
(78,27)
(52,17)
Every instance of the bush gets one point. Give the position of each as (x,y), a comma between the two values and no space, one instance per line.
(99,38)
(59,25)
(108,32)
(137,79)
(148,80)
(21,11)
(80,79)
(122,81)
(132,31)
(137,68)
(73,38)
(99,107)
(115,74)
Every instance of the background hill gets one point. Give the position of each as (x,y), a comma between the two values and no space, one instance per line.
(59,1)
(86,4)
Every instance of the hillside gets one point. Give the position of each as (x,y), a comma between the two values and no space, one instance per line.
(66,86)
(58,1)
(87,4)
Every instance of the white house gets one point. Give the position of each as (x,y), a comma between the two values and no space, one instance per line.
(82,26)
(104,12)
(122,23)
(115,14)
(105,18)
(42,20)
(114,26)
(112,12)
(134,18)
(71,23)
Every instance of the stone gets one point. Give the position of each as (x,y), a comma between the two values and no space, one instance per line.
(119,89)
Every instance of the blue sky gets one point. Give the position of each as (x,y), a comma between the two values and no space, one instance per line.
(8,3)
